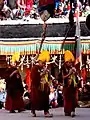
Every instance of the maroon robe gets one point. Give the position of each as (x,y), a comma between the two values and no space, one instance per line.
(14,88)
(69,94)
(70,100)
(39,98)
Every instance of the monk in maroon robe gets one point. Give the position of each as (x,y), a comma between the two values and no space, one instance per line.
(69,90)
(39,98)
(14,88)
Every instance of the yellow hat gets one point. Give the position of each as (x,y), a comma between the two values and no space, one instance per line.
(68,56)
(15,57)
(44,56)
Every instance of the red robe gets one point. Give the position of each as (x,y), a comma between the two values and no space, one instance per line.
(39,99)
(14,87)
(45,2)
(28,79)
(84,75)
(29,5)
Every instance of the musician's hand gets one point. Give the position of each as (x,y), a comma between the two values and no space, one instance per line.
(42,73)
(73,69)
(70,72)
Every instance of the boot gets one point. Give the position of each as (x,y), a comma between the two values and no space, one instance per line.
(12,111)
(72,114)
(33,113)
(47,114)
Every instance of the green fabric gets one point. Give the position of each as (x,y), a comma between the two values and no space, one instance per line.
(45,46)
(73,79)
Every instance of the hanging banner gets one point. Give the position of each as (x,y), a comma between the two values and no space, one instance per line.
(46,9)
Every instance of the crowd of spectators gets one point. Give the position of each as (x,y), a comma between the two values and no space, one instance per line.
(18,9)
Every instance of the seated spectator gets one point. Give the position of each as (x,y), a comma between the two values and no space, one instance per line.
(33,13)
(65,10)
(57,3)
(21,8)
(11,4)
(29,6)
(61,6)
(2,98)
(60,96)
(26,98)
(53,98)
(2,93)
(7,11)
(85,95)
(1,7)
(87,10)
(1,4)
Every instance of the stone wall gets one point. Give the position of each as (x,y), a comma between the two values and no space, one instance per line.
(35,30)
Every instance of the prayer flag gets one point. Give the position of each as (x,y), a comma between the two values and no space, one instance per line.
(46,9)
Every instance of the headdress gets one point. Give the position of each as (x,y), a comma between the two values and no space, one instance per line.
(44,56)
(68,56)
(15,57)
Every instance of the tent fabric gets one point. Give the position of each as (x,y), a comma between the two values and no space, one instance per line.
(31,47)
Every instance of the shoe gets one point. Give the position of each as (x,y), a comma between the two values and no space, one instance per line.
(12,111)
(48,115)
(33,113)
(67,114)
(20,111)
(72,114)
